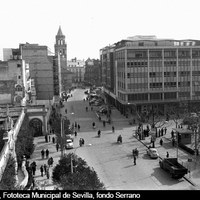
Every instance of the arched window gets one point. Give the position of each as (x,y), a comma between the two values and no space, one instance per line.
(18,88)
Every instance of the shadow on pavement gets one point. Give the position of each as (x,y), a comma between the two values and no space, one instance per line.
(164,177)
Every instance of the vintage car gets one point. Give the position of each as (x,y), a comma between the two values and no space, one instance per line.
(69,144)
(152,152)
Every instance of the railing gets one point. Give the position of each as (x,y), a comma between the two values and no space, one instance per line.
(9,146)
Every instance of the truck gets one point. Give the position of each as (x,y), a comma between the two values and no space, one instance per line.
(171,165)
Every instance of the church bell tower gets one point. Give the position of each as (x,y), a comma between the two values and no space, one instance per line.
(60,46)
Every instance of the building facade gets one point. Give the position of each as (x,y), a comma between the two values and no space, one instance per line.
(41,69)
(15,81)
(149,71)
(92,72)
(78,68)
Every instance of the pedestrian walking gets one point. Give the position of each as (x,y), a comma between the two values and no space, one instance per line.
(113,129)
(159,133)
(134,159)
(45,169)
(42,153)
(86,108)
(83,141)
(104,123)
(80,142)
(47,153)
(165,130)
(75,124)
(161,142)
(91,108)
(41,170)
(47,173)
(53,140)
(99,118)
(75,133)
(172,134)
(167,155)
(33,167)
(93,125)
(173,142)
(162,131)
(79,127)
(46,139)
(57,147)
(51,161)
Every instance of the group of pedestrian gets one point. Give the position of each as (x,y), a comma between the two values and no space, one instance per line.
(162,131)
(77,126)
(44,170)
(45,152)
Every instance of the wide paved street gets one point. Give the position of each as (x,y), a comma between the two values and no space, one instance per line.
(113,162)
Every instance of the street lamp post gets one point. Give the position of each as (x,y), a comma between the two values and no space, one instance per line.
(61,133)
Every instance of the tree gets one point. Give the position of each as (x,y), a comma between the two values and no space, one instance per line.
(25,141)
(73,173)
(8,180)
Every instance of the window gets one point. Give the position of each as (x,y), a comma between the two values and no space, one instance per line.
(170,95)
(155,85)
(155,96)
(169,84)
(152,74)
(141,43)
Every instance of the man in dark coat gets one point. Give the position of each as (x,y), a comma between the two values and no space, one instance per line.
(41,170)
(42,153)
(134,159)
(47,153)
(57,147)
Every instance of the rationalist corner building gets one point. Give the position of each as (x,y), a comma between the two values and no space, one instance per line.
(146,71)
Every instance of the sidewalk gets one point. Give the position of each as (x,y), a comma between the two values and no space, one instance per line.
(191,162)
(43,182)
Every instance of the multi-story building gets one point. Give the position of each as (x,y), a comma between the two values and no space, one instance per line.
(41,69)
(149,71)
(78,68)
(92,72)
(15,81)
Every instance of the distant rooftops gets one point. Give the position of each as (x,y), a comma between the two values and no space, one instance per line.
(142,37)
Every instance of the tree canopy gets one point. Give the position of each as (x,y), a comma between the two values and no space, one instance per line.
(73,173)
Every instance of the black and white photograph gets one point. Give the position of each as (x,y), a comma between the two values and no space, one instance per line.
(100,98)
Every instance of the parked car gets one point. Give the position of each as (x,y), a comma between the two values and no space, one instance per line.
(69,144)
(152,152)
(69,136)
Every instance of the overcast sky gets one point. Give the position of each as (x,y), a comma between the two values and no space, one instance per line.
(90,25)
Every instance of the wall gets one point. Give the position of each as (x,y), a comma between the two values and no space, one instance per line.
(41,69)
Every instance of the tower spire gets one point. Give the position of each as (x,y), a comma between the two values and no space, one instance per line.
(59,31)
